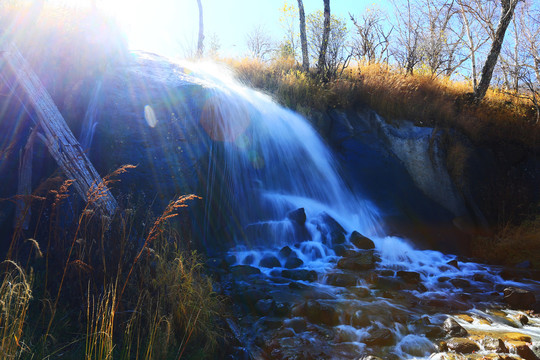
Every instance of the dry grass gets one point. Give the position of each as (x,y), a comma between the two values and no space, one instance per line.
(513,244)
(421,98)
(171,308)
(15,295)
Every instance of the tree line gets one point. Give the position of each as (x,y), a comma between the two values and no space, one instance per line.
(485,42)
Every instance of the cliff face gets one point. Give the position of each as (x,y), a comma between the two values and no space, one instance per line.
(456,184)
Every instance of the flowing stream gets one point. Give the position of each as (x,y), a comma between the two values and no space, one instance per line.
(300,267)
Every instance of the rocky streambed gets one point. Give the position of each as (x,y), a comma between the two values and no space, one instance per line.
(348,297)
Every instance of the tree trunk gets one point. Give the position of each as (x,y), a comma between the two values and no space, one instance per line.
(508,7)
(303,39)
(471,45)
(200,43)
(62,145)
(326,35)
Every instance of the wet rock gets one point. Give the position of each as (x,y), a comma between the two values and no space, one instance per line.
(341,250)
(523,350)
(434,332)
(293,263)
(297,324)
(271,323)
(318,312)
(496,345)
(361,242)
(386,272)
(298,286)
(452,328)
(516,337)
(248,260)
(389,283)
(299,274)
(523,319)
(519,298)
(270,262)
(411,277)
(453,263)
(230,260)
(282,309)
(460,283)
(524,265)
(462,345)
(360,291)
(363,260)
(285,252)
(465,317)
(336,232)
(360,319)
(379,337)
(244,270)
(217,263)
(265,306)
(340,279)
(515,274)
(249,297)
(298,216)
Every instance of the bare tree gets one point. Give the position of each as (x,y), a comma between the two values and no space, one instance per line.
(288,23)
(303,38)
(200,43)
(507,11)
(408,39)
(215,45)
(325,35)
(372,38)
(337,55)
(259,43)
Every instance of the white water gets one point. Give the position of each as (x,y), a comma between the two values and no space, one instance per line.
(274,163)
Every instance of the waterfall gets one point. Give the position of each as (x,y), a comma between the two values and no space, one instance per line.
(272,162)
(89,122)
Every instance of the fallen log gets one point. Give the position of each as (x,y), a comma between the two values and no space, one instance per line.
(60,141)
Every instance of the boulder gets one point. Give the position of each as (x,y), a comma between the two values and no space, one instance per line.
(341,279)
(452,328)
(462,345)
(293,263)
(361,242)
(460,283)
(495,345)
(321,313)
(411,277)
(363,260)
(298,216)
(335,233)
(379,337)
(265,307)
(244,270)
(270,261)
(299,274)
(519,298)
(285,252)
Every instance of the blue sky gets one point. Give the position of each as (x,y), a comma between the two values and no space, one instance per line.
(170,27)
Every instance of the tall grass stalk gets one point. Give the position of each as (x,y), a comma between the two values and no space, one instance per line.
(100,326)
(15,295)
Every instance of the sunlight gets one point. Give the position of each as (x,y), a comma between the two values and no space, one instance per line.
(146,24)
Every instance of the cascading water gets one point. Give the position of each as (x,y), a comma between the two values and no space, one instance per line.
(89,122)
(287,201)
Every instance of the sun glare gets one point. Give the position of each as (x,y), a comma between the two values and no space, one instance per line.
(146,24)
